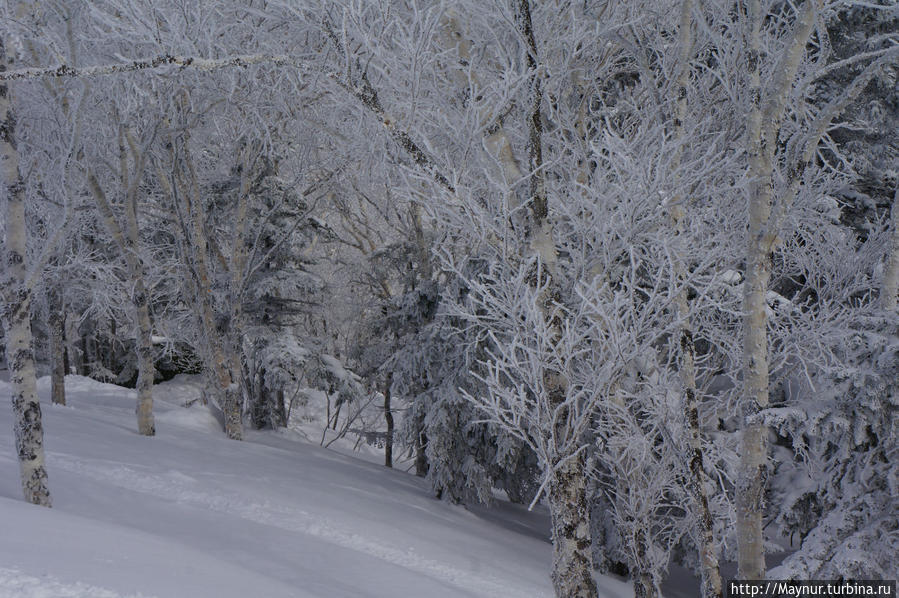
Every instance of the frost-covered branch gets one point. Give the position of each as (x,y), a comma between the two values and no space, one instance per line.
(155,62)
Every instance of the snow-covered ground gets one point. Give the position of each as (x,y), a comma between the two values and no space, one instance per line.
(189,513)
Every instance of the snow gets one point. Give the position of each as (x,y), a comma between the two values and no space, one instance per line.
(191,513)
(731,277)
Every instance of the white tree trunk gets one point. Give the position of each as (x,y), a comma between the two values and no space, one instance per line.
(572,566)
(146,368)
(572,561)
(222,357)
(891,276)
(144,346)
(764,127)
(29,431)
(645,585)
(708,554)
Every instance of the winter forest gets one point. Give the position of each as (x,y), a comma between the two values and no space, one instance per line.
(633,264)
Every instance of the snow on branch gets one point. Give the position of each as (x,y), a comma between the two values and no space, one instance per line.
(141,64)
(364,92)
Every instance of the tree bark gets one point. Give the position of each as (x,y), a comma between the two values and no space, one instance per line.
(764,127)
(643,586)
(644,582)
(572,566)
(146,423)
(145,359)
(221,365)
(388,417)
(281,412)
(421,455)
(710,573)
(56,324)
(572,562)
(28,428)
(891,276)
(128,245)
(85,356)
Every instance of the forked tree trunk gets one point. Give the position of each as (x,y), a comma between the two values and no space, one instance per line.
(56,323)
(128,245)
(16,311)
(146,367)
(222,366)
(233,405)
(765,119)
(643,586)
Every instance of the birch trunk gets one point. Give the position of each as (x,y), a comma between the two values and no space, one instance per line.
(223,366)
(144,345)
(56,323)
(28,428)
(572,561)
(645,585)
(891,276)
(711,586)
(146,371)
(572,565)
(764,127)
(74,361)
(233,335)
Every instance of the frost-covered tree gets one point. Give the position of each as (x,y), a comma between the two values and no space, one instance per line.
(783,135)
(127,240)
(20,275)
(833,490)
(623,233)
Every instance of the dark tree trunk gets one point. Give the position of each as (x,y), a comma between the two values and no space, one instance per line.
(259,412)
(84,356)
(281,410)
(388,416)
(56,323)
(337,405)
(66,362)
(421,456)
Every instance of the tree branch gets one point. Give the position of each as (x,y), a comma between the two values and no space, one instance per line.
(143,64)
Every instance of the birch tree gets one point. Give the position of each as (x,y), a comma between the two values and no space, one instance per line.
(679,206)
(769,199)
(586,208)
(29,431)
(890,288)
(127,240)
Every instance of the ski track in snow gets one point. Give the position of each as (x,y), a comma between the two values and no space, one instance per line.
(16,584)
(175,486)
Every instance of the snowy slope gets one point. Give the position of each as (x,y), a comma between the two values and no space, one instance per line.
(190,513)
